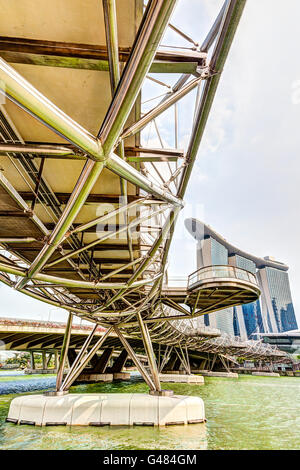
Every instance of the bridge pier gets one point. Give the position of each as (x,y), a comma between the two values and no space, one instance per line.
(32,363)
(45,369)
(101,363)
(118,365)
(119,362)
(98,371)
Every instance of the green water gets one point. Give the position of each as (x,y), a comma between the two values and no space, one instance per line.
(244,413)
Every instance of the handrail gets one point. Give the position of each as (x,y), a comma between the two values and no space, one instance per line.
(221,271)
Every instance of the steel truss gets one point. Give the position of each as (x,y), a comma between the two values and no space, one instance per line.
(132,304)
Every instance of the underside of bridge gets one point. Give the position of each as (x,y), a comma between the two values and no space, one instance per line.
(88,208)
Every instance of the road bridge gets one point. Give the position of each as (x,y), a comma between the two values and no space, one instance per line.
(46,337)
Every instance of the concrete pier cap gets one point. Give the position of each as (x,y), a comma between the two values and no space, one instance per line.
(106,409)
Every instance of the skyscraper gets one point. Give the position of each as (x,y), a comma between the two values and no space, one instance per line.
(272,313)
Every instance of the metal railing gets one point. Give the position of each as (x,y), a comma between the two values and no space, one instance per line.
(175,281)
(220,271)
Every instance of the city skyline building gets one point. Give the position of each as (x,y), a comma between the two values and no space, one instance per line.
(273,312)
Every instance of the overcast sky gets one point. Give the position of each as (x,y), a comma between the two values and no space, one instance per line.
(246,178)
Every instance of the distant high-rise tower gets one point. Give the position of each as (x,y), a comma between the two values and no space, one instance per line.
(272,313)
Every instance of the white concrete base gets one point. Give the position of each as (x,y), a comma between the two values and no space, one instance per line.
(266,374)
(96,409)
(231,375)
(95,378)
(189,379)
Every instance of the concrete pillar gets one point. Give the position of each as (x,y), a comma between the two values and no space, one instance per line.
(102,363)
(64,351)
(50,354)
(32,360)
(71,356)
(44,362)
(119,362)
(56,359)
(173,363)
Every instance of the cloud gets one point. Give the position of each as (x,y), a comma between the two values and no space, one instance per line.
(250,148)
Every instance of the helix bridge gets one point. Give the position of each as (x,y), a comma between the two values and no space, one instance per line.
(88,201)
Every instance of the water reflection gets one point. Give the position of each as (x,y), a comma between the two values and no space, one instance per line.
(110,437)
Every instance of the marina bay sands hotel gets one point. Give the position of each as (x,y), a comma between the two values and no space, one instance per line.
(273,312)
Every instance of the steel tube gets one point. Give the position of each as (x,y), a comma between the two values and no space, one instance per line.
(213,32)
(76,283)
(164,231)
(16,88)
(118,270)
(79,311)
(64,352)
(76,371)
(178,85)
(234,9)
(105,217)
(160,108)
(132,224)
(111,32)
(56,150)
(230,21)
(182,360)
(123,169)
(86,181)
(153,24)
(133,356)
(149,351)
(21,203)
(21,92)
(182,34)
(110,20)
(18,240)
(80,354)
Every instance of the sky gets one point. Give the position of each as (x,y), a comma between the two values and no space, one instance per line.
(246,177)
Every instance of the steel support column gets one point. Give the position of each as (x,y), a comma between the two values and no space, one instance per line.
(75,371)
(32,362)
(133,356)
(81,352)
(149,351)
(64,352)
